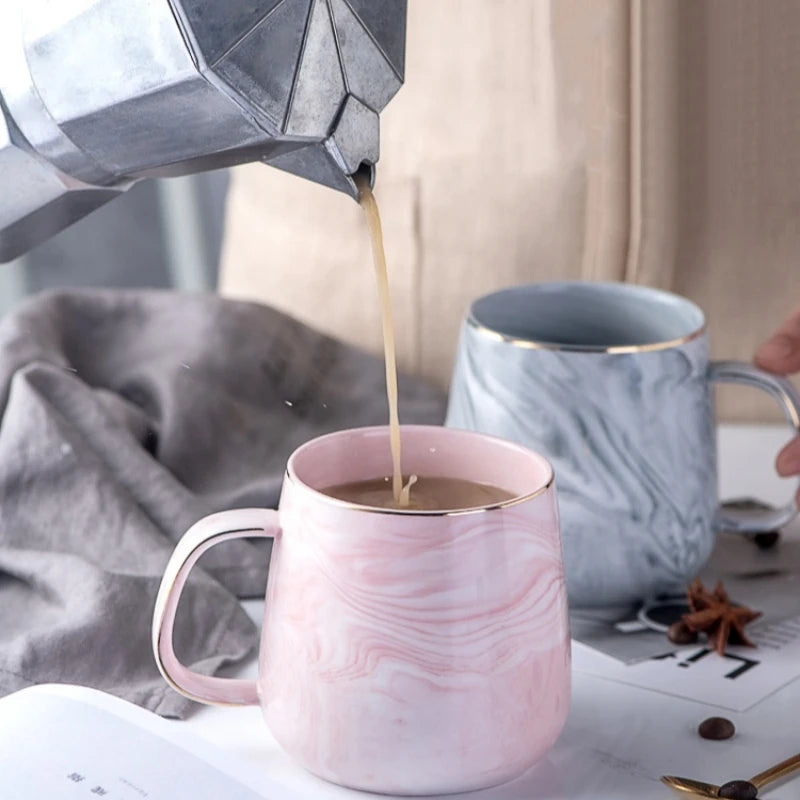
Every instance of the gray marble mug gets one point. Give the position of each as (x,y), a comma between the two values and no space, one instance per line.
(613,384)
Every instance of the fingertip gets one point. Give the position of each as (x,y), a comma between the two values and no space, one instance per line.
(788,461)
(777,353)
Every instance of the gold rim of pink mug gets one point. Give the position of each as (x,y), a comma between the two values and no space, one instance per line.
(532,344)
(168,581)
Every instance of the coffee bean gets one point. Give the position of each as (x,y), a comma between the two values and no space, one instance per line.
(738,790)
(766,539)
(679,633)
(716,728)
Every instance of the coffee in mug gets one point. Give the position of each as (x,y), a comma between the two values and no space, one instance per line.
(431,493)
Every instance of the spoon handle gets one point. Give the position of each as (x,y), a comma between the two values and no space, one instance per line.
(786,767)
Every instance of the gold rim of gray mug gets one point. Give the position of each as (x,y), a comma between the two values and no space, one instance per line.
(421,512)
(532,344)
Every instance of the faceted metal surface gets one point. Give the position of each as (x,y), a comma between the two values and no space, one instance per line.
(219,26)
(104,92)
(318,159)
(386,22)
(301,58)
(260,69)
(38,201)
(370,77)
(319,88)
(356,135)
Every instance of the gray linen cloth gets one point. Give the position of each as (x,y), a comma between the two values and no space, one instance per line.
(124,418)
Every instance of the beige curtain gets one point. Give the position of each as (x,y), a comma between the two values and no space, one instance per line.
(653,141)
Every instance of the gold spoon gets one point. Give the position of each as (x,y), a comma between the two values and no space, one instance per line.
(746,790)
(689,786)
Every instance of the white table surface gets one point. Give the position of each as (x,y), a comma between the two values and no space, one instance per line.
(618,738)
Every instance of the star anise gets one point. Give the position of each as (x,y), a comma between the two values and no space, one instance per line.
(713,613)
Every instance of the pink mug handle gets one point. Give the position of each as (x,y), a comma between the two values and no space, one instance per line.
(211,530)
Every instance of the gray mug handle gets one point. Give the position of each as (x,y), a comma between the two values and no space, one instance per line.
(744,520)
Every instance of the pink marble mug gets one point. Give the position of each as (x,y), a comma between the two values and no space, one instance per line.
(402,652)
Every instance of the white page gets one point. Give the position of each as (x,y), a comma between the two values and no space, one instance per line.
(736,681)
(73,743)
(70,742)
(50,733)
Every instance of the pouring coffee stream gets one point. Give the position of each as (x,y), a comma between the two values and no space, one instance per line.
(367,201)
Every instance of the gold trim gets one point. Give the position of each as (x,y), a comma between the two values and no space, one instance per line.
(165,591)
(421,512)
(790,408)
(531,344)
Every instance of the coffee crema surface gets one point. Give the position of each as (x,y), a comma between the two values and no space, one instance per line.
(429,494)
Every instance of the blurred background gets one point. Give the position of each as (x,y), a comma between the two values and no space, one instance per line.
(650,141)
(159,234)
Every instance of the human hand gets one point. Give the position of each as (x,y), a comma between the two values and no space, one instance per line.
(781,354)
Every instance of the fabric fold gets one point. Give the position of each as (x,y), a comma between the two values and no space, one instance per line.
(124,418)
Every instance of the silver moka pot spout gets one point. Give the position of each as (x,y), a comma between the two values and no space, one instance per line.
(97,94)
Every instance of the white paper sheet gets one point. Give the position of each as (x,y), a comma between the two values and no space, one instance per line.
(73,743)
(736,681)
(77,744)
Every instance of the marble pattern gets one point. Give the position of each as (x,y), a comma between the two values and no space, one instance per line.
(401,652)
(632,442)
(416,655)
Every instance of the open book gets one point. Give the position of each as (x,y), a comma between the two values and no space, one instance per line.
(70,742)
